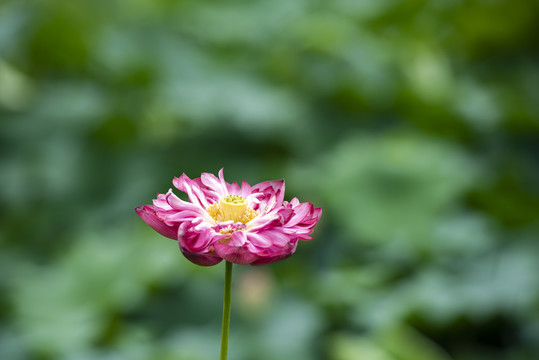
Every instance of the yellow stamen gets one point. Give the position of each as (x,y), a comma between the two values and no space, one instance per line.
(232,207)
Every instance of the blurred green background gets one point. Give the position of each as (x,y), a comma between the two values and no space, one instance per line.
(413,124)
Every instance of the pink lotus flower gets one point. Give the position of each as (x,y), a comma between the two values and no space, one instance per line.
(240,224)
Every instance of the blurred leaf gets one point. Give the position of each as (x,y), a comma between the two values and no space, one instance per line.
(346,347)
(406,344)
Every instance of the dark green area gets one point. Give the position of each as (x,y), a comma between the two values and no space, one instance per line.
(413,124)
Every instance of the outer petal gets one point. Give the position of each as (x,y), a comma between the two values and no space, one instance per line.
(201,259)
(271,194)
(291,249)
(235,254)
(162,201)
(234,189)
(270,237)
(215,185)
(185,210)
(245,190)
(302,212)
(192,189)
(149,215)
(238,238)
(196,239)
(277,217)
(305,217)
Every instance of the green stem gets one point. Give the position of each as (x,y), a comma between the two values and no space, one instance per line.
(226,311)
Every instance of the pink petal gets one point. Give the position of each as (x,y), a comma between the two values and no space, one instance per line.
(264,261)
(304,219)
(238,238)
(272,193)
(277,217)
(149,215)
(181,216)
(161,201)
(211,196)
(259,240)
(233,188)
(301,212)
(233,254)
(268,238)
(201,259)
(197,241)
(224,184)
(214,184)
(245,189)
(179,205)
(279,254)
(263,221)
(294,202)
(192,189)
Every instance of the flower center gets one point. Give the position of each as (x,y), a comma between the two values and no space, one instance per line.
(232,207)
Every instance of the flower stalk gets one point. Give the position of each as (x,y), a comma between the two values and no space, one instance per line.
(240,224)
(226,311)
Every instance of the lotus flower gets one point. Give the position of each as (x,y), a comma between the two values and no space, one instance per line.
(240,224)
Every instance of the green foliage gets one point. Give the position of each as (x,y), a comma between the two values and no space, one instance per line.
(413,124)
